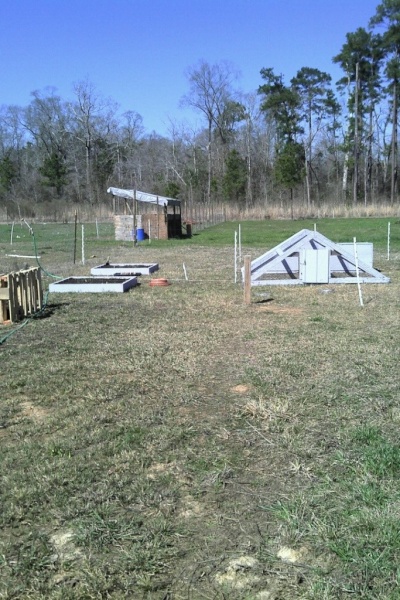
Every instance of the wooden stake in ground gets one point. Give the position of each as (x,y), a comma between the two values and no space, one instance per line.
(235,258)
(357,272)
(76,221)
(247,279)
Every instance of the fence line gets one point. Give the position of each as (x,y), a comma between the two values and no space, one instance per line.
(203,215)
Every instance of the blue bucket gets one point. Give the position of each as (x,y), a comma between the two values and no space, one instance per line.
(140,235)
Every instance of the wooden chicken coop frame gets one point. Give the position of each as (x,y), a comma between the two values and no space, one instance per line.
(310,257)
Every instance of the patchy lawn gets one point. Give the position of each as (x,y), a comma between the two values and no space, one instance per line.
(174,443)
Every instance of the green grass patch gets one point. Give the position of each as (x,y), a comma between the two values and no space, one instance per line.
(271,233)
(174,442)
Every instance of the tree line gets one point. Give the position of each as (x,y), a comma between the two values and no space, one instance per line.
(308,140)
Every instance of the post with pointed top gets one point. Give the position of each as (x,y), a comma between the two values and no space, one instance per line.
(247,279)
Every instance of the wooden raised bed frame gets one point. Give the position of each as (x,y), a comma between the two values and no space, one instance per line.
(114,269)
(93,284)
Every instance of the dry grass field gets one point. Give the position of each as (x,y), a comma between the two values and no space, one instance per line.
(173,443)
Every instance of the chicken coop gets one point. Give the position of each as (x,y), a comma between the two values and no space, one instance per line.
(148,215)
(310,257)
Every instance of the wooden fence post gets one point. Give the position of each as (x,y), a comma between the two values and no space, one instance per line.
(247,279)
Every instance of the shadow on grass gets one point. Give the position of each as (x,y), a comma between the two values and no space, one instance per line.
(49,309)
(264,301)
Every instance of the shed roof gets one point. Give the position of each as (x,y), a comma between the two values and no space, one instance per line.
(143,197)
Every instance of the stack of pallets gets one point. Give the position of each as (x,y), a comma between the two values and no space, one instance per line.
(21,295)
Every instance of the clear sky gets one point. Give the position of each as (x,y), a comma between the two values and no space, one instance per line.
(137,51)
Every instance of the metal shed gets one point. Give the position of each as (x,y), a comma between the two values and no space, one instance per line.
(158,217)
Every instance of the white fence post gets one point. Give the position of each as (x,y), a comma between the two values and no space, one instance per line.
(83,244)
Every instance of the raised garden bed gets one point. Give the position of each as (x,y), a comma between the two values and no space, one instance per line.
(93,284)
(124,269)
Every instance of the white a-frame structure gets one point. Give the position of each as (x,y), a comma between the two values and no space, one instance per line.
(309,257)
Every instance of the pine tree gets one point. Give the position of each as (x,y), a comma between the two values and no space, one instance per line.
(388,14)
(235,178)
(312,86)
(360,59)
(54,170)
(8,173)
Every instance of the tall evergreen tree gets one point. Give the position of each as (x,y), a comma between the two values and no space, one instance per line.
(360,59)
(312,86)
(55,171)
(283,104)
(388,14)
(234,182)
(8,172)
(333,111)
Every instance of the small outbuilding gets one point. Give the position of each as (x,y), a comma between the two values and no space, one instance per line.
(148,216)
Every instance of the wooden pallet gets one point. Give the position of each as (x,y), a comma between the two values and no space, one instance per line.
(21,295)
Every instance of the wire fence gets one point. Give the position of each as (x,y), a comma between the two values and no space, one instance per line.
(199,217)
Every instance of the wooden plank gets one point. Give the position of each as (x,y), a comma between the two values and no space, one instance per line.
(39,288)
(25,291)
(28,293)
(32,292)
(15,293)
(3,299)
(4,310)
(13,297)
(20,292)
(247,279)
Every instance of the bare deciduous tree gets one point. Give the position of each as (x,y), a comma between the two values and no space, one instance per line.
(210,93)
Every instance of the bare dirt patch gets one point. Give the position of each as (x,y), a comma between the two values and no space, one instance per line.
(34,412)
(64,546)
(241,388)
(284,310)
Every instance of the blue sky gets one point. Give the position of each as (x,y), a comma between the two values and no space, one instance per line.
(138,51)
